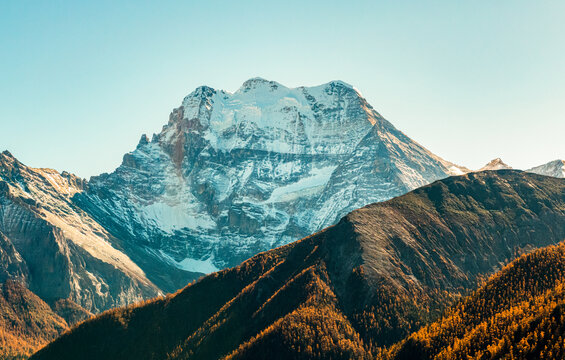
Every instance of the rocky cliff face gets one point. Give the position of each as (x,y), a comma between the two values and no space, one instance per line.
(233,174)
(57,250)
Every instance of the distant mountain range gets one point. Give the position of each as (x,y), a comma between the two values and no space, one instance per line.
(346,292)
(554,168)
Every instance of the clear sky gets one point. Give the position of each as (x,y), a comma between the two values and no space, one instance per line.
(80,81)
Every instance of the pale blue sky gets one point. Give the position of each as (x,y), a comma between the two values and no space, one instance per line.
(80,81)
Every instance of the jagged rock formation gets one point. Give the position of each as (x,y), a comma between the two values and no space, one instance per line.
(233,174)
(345,292)
(554,168)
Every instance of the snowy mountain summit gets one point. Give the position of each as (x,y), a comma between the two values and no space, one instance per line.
(555,168)
(233,174)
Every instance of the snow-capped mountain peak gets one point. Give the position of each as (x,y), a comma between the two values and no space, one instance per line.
(555,168)
(282,119)
(260,84)
(232,174)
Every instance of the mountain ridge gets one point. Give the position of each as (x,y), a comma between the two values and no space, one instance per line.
(51,240)
(379,274)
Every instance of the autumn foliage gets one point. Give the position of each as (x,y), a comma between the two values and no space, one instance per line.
(390,281)
(518,314)
(26,322)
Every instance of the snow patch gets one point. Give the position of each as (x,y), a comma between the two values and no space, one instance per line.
(303,187)
(174,217)
(454,170)
(193,265)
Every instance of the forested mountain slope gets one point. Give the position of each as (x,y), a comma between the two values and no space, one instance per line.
(518,314)
(26,321)
(381,273)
